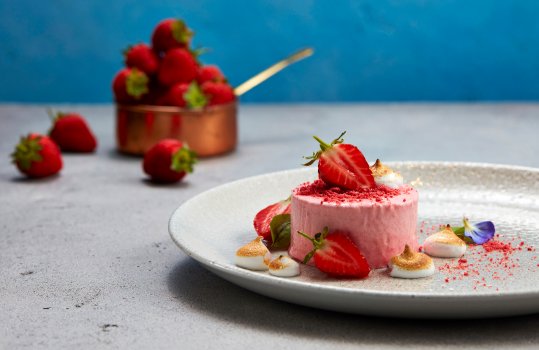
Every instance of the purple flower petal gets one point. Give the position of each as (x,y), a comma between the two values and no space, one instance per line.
(481,232)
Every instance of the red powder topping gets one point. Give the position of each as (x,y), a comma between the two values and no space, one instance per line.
(328,193)
(496,260)
(505,248)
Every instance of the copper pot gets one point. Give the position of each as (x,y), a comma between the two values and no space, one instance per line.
(210,131)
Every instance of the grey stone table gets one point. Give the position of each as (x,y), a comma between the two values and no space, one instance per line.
(86,261)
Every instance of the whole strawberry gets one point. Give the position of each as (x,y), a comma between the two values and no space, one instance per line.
(142,57)
(335,254)
(218,92)
(177,66)
(210,73)
(130,85)
(37,156)
(175,96)
(342,165)
(185,95)
(168,161)
(72,134)
(171,33)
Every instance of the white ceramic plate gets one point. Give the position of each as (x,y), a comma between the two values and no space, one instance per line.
(213,225)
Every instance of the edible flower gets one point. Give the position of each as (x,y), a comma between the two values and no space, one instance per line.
(478,233)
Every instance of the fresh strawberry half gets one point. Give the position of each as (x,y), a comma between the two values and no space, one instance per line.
(130,85)
(335,254)
(168,161)
(72,134)
(178,66)
(37,156)
(342,165)
(210,73)
(218,92)
(171,33)
(264,217)
(142,57)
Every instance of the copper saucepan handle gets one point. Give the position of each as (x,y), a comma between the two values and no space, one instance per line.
(271,71)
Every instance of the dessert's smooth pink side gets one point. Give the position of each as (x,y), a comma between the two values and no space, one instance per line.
(380,230)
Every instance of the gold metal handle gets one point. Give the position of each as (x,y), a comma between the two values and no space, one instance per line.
(271,71)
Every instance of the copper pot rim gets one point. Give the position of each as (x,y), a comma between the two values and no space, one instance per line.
(175,110)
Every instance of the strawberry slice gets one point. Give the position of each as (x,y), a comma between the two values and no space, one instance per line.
(342,165)
(335,254)
(263,218)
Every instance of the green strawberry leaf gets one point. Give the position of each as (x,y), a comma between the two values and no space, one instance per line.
(180,32)
(280,231)
(26,152)
(199,51)
(183,160)
(137,83)
(194,97)
(459,231)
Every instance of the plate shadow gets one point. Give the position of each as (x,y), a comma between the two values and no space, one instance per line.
(209,294)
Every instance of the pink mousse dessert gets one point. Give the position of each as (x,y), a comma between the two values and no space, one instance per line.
(379,220)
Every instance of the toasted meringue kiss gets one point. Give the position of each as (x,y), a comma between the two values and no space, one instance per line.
(253,256)
(444,244)
(284,266)
(410,264)
(384,175)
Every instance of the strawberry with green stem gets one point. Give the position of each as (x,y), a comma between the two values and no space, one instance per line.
(71,132)
(37,156)
(273,223)
(335,254)
(218,92)
(342,165)
(185,95)
(142,57)
(168,161)
(130,85)
(171,33)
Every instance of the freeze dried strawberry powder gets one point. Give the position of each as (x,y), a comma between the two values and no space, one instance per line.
(482,265)
(332,194)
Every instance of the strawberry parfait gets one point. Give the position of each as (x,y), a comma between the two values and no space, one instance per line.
(379,220)
(370,204)
(352,219)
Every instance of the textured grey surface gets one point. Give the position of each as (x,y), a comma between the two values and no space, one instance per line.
(86,260)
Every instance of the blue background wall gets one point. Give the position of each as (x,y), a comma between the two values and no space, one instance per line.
(376,50)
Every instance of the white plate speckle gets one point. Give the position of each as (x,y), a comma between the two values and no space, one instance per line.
(211,226)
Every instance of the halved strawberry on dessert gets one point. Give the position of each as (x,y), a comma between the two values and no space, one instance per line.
(335,254)
(341,164)
(273,223)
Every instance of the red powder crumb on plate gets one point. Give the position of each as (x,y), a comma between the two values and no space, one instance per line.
(493,260)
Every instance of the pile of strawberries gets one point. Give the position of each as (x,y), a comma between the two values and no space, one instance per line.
(168,73)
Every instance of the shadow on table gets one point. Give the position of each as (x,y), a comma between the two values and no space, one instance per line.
(20,178)
(214,296)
